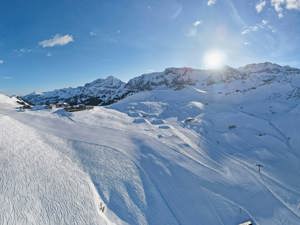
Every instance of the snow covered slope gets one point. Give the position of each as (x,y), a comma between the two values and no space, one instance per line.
(8,102)
(110,90)
(181,152)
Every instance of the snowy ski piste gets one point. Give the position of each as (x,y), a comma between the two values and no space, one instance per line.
(180,147)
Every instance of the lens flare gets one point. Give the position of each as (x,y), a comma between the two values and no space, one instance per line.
(214,59)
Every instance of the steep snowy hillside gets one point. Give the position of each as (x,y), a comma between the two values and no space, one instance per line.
(8,102)
(186,147)
(101,91)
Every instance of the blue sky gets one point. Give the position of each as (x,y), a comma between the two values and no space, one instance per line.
(59,43)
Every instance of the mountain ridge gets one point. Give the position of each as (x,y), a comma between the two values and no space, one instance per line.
(186,152)
(104,91)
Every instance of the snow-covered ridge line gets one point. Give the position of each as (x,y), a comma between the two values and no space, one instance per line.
(111,89)
(188,147)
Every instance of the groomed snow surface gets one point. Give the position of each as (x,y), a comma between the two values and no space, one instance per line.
(160,157)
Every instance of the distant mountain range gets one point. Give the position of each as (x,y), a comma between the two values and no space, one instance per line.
(182,147)
(111,89)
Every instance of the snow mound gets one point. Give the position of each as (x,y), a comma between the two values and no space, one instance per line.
(6,101)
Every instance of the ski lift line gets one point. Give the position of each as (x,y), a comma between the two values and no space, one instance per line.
(169,207)
(266,175)
(262,173)
(277,197)
(259,166)
(220,196)
(233,203)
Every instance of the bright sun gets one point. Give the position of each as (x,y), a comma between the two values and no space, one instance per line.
(214,59)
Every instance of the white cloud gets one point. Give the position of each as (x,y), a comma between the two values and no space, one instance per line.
(250,29)
(57,40)
(263,25)
(193,31)
(260,6)
(293,4)
(197,23)
(1,61)
(211,2)
(280,5)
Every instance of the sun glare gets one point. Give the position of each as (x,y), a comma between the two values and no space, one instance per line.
(214,59)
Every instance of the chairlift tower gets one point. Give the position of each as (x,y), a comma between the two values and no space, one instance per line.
(259,166)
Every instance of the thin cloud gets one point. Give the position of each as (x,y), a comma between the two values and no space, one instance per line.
(22,51)
(177,12)
(1,61)
(193,31)
(235,13)
(57,40)
(263,25)
(260,6)
(6,77)
(211,2)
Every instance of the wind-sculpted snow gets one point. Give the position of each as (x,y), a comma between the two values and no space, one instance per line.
(40,185)
(183,155)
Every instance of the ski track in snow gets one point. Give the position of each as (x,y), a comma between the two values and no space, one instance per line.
(36,181)
(187,159)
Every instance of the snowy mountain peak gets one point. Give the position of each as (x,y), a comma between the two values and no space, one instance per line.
(109,81)
(101,84)
(230,142)
(175,78)
(176,70)
(100,91)
(262,67)
(110,89)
